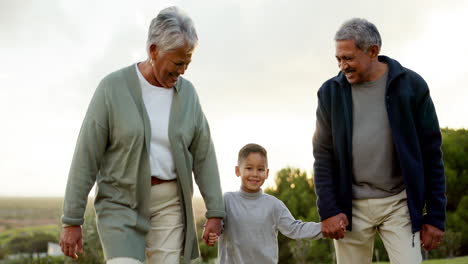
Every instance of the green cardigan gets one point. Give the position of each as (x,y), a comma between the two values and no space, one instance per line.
(113,151)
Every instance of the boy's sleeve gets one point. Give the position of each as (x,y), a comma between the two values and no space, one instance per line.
(225,219)
(293,228)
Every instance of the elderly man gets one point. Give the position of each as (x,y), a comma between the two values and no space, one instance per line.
(378,163)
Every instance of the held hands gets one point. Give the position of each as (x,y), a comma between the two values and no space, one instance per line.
(335,226)
(71,241)
(212,239)
(431,237)
(212,231)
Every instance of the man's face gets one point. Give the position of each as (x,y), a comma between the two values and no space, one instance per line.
(253,171)
(355,64)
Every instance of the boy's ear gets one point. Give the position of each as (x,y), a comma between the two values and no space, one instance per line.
(237,171)
(267,172)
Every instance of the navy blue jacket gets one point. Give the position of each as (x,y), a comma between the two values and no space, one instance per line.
(416,137)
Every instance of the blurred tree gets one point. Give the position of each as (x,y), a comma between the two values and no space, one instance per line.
(455,150)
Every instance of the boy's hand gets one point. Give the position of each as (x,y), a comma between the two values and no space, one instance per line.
(212,239)
(342,226)
(212,226)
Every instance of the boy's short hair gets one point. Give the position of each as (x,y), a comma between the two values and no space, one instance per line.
(251,148)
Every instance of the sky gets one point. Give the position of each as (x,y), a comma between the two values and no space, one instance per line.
(257,69)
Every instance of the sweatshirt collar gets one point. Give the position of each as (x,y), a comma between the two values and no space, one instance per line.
(249,195)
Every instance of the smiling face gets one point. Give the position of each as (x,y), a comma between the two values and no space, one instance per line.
(168,66)
(356,65)
(253,171)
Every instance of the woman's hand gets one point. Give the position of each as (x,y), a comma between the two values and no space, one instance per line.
(212,227)
(71,241)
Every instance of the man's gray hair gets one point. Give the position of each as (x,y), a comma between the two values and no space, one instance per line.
(363,32)
(171,29)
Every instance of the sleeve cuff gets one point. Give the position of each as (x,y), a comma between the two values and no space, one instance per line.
(434,222)
(215,213)
(69,221)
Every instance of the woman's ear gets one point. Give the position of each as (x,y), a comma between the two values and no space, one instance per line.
(153,52)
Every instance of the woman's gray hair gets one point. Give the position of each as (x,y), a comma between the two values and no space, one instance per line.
(363,32)
(171,29)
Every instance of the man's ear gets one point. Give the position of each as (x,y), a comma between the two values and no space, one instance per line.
(237,171)
(373,51)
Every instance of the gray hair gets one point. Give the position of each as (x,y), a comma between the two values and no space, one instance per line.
(363,32)
(171,29)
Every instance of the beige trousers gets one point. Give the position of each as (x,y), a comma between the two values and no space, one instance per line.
(165,239)
(389,217)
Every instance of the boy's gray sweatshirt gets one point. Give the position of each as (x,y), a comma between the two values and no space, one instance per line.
(251,228)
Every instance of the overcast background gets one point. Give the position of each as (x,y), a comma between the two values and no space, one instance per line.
(257,69)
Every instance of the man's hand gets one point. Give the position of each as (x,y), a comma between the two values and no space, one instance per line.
(335,226)
(431,237)
(212,226)
(71,241)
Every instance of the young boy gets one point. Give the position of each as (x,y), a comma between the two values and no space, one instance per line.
(254,218)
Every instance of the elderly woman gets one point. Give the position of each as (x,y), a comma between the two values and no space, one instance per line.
(143,135)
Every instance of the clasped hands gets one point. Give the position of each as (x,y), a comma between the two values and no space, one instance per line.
(212,231)
(335,227)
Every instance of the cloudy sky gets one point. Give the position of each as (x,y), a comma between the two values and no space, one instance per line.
(257,69)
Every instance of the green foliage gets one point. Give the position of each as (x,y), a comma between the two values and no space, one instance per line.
(455,150)
(8,235)
(29,243)
(36,260)
(380,254)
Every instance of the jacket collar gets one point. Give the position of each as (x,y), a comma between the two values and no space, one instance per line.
(394,70)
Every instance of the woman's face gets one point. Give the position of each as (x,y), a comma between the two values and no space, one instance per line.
(167,67)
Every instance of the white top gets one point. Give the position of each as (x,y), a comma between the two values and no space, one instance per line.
(158,101)
(251,228)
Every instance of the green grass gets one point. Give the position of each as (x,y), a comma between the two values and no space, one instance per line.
(460,260)
(30,207)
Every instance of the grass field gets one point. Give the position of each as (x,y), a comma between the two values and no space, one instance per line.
(20,212)
(25,216)
(31,215)
(460,260)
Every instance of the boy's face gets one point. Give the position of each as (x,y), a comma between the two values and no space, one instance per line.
(253,171)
